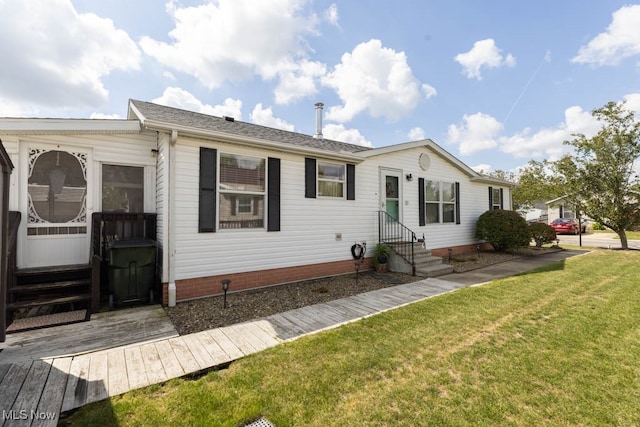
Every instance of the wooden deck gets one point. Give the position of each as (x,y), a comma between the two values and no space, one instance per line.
(113,354)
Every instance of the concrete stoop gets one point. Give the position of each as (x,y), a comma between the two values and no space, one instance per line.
(434,270)
(427,265)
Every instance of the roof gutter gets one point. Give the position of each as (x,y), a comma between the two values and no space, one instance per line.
(28,126)
(251,141)
(496,181)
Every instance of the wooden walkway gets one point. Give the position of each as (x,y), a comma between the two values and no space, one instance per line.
(36,388)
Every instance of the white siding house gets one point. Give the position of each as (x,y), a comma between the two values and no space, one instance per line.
(255,205)
(328,198)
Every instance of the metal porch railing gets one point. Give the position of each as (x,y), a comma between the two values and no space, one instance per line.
(398,237)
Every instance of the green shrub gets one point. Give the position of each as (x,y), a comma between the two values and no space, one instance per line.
(598,226)
(503,229)
(541,233)
(381,254)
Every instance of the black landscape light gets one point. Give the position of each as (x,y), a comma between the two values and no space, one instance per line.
(225,288)
(450,253)
(478,249)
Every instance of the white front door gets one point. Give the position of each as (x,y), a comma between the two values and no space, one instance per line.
(56,191)
(391,194)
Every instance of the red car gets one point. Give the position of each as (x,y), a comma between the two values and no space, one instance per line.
(567,226)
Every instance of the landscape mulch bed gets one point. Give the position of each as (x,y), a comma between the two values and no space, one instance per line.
(207,313)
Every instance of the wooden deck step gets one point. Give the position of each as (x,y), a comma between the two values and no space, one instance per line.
(52,269)
(38,287)
(48,301)
(47,320)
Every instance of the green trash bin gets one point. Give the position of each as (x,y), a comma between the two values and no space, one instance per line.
(132,267)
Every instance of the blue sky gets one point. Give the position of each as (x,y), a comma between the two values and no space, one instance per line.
(496,83)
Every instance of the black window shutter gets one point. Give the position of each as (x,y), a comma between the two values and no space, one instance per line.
(207,200)
(309,178)
(457,203)
(502,198)
(490,198)
(421,207)
(273,194)
(351,182)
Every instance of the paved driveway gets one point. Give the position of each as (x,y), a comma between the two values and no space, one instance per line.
(602,240)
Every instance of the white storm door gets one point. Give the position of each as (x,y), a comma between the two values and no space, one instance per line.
(56,202)
(391,194)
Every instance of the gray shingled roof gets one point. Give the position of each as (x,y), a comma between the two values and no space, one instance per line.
(176,116)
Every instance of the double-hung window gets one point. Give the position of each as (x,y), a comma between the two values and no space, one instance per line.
(242,191)
(495,198)
(331,179)
(440,202)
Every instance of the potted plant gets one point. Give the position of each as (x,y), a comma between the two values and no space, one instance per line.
(381,254)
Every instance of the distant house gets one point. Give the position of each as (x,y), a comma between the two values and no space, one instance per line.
(560,208)
(538,212)
(228,199)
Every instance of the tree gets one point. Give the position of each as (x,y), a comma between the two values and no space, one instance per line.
(534,185)
(600,178)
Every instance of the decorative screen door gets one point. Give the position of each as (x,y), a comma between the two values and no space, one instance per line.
(56,197)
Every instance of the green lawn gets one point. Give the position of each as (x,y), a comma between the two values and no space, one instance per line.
(558,346)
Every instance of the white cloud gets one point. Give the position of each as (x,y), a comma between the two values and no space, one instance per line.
(482,168)
(264,117)
(429,90)
(484,54)
(11,108)
(233,40)
(331,15)
(633,102)
(340,133)
(375,79)
(477,132)
(298,81)
(180,98)
(416,134)
(621,40)
(481,132)
(105,116)
(54,56)
(548,143)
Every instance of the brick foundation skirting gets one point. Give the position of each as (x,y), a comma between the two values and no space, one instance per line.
(207,286)
(200,287)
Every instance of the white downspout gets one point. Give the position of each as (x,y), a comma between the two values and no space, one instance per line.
(172,224)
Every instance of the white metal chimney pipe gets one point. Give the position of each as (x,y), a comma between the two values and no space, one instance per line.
(319,107)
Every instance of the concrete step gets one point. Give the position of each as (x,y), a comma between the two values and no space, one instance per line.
(433,270)
(427,260)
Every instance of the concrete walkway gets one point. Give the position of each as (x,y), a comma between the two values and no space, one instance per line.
(36,391)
